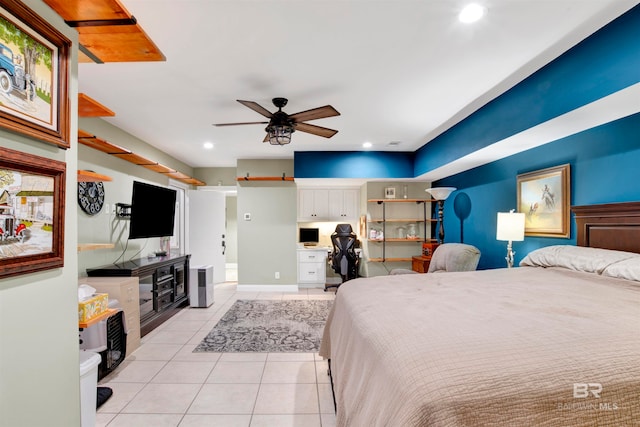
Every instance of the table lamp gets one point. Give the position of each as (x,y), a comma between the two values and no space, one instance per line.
(510,228)
(440,194)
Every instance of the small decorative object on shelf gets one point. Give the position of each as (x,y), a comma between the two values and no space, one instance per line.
(412,232)
(405,192)
(390,193)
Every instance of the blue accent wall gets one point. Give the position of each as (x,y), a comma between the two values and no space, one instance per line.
(604,160)
(604,63)
(605,168)
(353,164)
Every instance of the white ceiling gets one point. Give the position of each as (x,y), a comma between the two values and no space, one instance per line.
(396,70)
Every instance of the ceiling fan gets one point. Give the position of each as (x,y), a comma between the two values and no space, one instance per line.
(281,125)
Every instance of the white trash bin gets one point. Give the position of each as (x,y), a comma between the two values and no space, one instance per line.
(89,362)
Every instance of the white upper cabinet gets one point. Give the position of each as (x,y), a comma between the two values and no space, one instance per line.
(323,204)
(343,204)
(313,204)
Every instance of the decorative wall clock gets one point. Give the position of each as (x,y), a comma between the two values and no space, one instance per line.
(91,197)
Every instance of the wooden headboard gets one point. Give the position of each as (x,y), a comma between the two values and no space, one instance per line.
(609,226)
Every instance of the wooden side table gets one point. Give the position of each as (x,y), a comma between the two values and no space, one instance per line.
(420,263)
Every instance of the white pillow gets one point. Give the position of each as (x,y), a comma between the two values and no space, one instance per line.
(628,269)
(579,258)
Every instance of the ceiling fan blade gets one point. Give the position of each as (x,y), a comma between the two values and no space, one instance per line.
(236,124)
(316,130)
(256,107)
(315,113)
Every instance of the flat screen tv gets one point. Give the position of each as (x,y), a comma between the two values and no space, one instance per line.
(309,236)
(152,211)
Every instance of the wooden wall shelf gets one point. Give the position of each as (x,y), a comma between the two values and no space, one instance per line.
(93,246)
(400,200)
(89,107)
(107,31)
(89,176)
(90,140)
(403,220)
(265,178)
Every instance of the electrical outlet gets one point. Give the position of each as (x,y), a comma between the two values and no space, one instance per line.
(277,274)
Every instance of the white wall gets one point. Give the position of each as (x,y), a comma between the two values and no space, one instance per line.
(39,367)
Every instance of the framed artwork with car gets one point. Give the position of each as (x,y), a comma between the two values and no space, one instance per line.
(34,74)
(31,213)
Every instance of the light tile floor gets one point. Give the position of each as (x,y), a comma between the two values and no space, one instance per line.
(163,383)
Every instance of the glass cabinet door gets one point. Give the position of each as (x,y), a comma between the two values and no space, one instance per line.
(180,281)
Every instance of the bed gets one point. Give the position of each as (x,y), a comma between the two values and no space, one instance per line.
(555,342)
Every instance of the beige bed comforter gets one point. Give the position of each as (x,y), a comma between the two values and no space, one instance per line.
(511,347)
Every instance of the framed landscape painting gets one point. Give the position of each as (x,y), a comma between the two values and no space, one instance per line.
(34,76)
(31,213)
(543,196)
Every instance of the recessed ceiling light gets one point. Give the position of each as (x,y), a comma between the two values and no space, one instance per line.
(208,145)
(367,145)
(471,13)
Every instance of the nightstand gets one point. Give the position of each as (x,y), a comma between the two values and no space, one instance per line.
(420,263)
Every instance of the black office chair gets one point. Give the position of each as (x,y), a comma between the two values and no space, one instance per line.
(344,259)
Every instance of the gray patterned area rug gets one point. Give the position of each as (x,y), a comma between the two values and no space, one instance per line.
(269,326)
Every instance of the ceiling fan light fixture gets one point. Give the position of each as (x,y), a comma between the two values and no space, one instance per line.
(279,134)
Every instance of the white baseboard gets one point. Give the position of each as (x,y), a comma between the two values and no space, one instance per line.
(267,288)
(310,286)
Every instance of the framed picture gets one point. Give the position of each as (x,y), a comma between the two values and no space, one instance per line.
(34,56)
(31,213)
(390,193)
(543,196)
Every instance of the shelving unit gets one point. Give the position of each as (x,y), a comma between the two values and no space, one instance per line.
(384,220)
(93,246)
(90,176)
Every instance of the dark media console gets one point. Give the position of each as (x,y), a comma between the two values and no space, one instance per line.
(164,285)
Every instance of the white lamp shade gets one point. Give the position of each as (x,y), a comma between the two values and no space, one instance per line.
(440,193)
(510,226)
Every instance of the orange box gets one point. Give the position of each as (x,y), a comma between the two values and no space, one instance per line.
(428,248)
(92,307)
